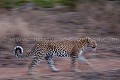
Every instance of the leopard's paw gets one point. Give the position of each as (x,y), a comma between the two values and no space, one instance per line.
(56,70)
(76,70)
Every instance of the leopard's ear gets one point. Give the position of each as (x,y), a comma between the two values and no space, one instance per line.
(87,38)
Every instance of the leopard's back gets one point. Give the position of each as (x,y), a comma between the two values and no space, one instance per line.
(63,45)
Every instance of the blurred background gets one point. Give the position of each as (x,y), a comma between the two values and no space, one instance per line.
(25,22)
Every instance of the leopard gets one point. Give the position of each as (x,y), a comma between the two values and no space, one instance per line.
(48,49)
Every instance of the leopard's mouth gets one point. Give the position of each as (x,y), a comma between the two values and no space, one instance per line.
(94,49)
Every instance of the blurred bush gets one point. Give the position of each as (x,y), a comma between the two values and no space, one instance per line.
(71,4)
(44,3)
(12,3)
(6,3)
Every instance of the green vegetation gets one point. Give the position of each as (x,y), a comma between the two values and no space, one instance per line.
(44,3)
(72,4)
(12,3)
(6,4)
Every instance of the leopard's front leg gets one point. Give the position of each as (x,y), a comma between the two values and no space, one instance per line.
(81,57)
(84,60)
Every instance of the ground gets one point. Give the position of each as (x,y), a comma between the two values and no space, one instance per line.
(27,24)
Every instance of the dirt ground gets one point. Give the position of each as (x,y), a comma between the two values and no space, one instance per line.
(28,24)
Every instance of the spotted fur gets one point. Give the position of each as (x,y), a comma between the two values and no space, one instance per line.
(47,49)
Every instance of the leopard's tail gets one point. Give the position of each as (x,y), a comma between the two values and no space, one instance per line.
(18,51)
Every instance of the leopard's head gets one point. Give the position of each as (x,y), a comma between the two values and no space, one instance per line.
(91,44)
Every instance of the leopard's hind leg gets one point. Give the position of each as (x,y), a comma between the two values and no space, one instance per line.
(74,65)
(51,64)
(33,63)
